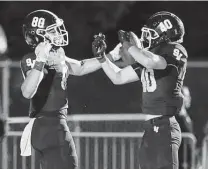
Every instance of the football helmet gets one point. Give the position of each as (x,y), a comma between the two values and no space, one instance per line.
(161,27)
(43,25)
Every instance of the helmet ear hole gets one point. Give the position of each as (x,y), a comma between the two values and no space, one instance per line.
(31,38)
(33,32)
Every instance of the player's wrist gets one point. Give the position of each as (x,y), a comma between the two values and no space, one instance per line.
(101,58)
(39,65)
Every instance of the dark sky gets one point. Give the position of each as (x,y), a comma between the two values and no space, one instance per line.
(84,19)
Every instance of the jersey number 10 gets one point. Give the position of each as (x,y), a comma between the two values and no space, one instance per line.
(148,80)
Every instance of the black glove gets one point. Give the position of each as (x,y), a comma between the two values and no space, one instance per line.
(123,36)
(99,46)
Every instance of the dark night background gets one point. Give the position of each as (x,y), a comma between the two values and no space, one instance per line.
(94,93)
(84,19)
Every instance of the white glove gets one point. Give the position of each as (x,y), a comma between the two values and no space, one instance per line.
(115,52)
(56,57)
(134,40)
(42,51)
(56,60)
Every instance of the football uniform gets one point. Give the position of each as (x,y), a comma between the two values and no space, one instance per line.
(50,136)
(162,88)
(162,96)
(51,94)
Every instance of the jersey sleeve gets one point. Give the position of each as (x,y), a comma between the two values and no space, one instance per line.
(174,54)
(27,63)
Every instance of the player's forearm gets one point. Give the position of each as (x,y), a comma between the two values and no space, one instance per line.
(147,59)
(140,56)
(31,83)
(79,68)
(89,66)
(112,71)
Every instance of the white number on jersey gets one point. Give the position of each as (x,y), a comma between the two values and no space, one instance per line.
(165,25)
(30,62)
(38,22)
(177,54)
(148,80)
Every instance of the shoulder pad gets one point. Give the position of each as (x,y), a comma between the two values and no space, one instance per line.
(27,62)
(180,47)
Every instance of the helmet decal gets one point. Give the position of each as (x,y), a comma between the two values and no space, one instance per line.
(38,22)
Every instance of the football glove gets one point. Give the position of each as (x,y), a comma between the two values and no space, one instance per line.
(42,51)
(56,57)
(134,40)
(99,45)
(123,36)
(56,60)
(130,37)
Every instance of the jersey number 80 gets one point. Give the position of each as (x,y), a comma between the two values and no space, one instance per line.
(148,80)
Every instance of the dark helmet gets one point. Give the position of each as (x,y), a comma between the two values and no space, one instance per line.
(161,27)
(43,25)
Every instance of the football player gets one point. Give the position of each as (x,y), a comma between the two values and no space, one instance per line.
(160,63)
(45,74)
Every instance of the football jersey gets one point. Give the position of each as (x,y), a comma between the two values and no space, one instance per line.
(51,94)
(162,88)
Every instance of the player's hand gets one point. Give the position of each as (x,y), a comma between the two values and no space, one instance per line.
(115,52)
(123,36)
(57,59)
(42,51)
(99,45)
(126,45)
(129,39)
(134,40)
